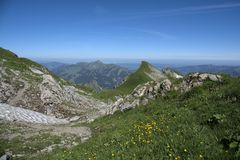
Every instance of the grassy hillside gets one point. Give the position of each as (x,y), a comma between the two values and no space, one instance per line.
(201,124)
(136,78)
(11,60)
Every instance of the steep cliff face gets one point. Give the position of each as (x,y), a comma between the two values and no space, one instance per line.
(29,85)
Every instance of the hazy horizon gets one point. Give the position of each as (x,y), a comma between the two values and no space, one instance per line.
(170,62)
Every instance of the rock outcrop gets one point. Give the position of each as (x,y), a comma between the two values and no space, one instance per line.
(197,79)
(141,95)
(7,156)
(152,89)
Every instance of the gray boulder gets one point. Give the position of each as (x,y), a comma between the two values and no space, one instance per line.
(7,156)
(197,79)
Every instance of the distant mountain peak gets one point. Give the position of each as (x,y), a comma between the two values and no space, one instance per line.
(144,65)
(97,62)
(147,72)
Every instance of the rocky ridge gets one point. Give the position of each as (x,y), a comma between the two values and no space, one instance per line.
(152,89)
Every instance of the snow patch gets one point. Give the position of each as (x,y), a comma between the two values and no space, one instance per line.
(11,113)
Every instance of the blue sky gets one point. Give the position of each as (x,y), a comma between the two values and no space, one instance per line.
(133,29)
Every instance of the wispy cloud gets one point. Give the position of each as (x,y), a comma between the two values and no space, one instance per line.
(213,7)
(195,9)
(162,35)
(179,11)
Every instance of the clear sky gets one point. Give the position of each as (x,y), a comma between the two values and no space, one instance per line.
(137,29)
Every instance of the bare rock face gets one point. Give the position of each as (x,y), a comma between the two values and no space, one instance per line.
(165,87)
(36,89)
(152,89)
(65,100)
(149,89)
(115,106)
(141,95)
(6,91)
(197,79)
(7,155)
(51,93)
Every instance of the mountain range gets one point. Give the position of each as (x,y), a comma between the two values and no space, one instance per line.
(96,75)
(100,76)
(151,114)
(230,70)
(233,70)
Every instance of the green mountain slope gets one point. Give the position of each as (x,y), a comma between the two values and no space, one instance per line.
(146,72)
(136,78)
(200,124)
(12,61)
